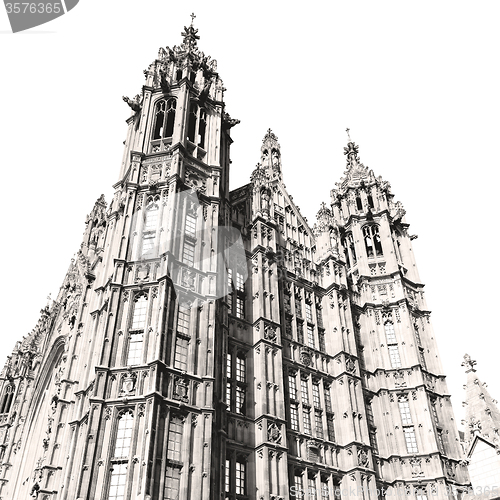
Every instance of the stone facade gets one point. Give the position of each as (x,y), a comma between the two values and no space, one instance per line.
(212,344)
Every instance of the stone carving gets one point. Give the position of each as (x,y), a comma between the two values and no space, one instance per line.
(362,458)
(273,433)
(305,357)
(416,467)
(194,180)
(135,103)
(270,332)
(181,388)
(350,366)
(128,382)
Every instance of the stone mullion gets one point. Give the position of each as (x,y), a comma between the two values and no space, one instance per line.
(181,117)
(89,446)
(196,449)
(205,462)
(143,135)
(77,456)
(121,331)
(159,460)
(352,417)
(280,409)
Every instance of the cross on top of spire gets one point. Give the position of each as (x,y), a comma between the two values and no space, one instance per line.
(190,35)
(348,135)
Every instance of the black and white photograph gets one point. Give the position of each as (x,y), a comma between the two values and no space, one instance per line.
(249,250)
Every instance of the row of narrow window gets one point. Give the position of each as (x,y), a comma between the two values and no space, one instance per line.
(6,401)
(373,244)
(393,348)
(136,340)
(150,228)
(122,452)
(305,487)
(236,293)
(236,386)
(307,424)
(235,467)
(164,122)
(310,338)
(359,203)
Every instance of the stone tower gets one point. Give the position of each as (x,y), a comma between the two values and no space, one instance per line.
(210,344)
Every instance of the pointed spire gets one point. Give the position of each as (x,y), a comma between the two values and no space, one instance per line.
(270,155)
(482,416)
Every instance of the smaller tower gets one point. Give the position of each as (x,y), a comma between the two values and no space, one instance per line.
(482,428)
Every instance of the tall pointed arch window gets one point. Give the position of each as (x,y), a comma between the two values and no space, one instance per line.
(174,445)
(182,337)
(136,337)
(350,250)
(392,344)
(149,228)
(121,455)
(359,203)
(373,243)
(123,441)
(369,198)
(235,476)
(197,125)
(7,399)
(236,386)
(164,119)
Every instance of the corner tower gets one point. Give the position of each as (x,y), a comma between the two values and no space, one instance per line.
(116,393)
(408,414)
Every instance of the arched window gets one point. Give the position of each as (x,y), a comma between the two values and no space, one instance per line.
(350,251)
(193,121)
(123,441)
(164,119)
(121,455)
(369,198)
(149,229)
(197,125)
(159,119)
(202,128)
(174,444)
(389,332)
(359,204)
(373,243)
(7,399)
(140,309)
(136,339)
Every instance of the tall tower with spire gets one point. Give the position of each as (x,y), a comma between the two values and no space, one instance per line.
(211,344)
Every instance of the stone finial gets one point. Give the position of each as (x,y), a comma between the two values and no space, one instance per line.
(468,364)
(351,151)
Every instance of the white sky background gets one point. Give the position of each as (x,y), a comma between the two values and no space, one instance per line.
(417,84)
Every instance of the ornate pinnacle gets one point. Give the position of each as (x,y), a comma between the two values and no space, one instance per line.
(351,151)
(468,364)
(190,38)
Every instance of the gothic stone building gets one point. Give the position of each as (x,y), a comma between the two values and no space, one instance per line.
(303,364)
